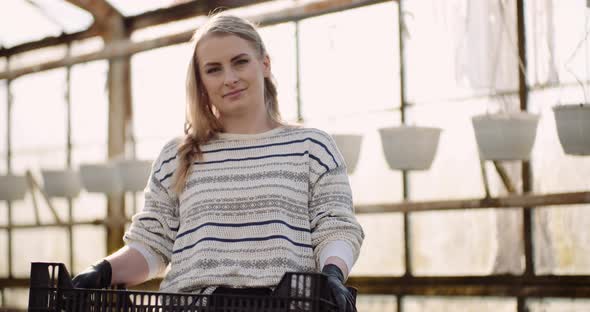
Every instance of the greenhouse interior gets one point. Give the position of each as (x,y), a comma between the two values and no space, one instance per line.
(463,125)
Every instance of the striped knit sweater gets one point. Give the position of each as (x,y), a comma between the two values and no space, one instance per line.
(256,206)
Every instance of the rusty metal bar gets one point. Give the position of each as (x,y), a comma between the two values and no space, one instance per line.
(484,178)
(527,173)
(504,177)
(510,201)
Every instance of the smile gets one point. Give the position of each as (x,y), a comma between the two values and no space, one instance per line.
(233,93)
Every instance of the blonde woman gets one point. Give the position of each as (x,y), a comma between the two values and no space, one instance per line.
(243,197)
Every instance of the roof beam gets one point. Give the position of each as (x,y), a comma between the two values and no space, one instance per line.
(126,47)
(183,11)
(102,11)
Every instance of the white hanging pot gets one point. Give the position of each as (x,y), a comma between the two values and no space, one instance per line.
(410,147)
(134,174)
(61,183)
(505,136)
(573,128)
(101,178)
(12,187)
(350,147)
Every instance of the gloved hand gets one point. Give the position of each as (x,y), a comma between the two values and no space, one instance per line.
(340,293)
(96,276)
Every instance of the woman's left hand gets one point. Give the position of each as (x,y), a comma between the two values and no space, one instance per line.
(342,296)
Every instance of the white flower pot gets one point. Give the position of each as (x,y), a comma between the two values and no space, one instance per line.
(573,128)
(409,147)
(505,136)
(12,187)
(61,183)
(350,147)
(134,174)
(101,178)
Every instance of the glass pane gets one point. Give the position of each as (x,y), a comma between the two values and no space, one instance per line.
(31,23)
(560,232)
(3,212)
(335,81)
(474,44)
(372,181)
(558,305)
(382,252)
(469,241)
(280,43)
(3,122)
(3,250)
(69,17)
(89,96)
(17,297)
(455,171)
(376,303)
(38,245)
(24,210)
(464,304)
(554,170)
(562,236)
(558,36)
(89,247)
(159,94)
(38,117)
(89,206)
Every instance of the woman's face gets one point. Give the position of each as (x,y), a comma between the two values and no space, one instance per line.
(233,73)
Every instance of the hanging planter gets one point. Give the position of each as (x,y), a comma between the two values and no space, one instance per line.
(61,183)
(134,174)
(573,128)
(12,187)
(409,147)
(505,136)
(101,178)
(350,147)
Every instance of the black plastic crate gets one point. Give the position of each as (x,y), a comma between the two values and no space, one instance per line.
(51,290)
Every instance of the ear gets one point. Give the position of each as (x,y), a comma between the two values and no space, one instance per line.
(266,66)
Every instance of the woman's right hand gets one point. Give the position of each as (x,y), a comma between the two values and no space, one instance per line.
(96,276)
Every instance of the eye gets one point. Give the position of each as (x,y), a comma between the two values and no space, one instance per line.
(242,61)
(211,70)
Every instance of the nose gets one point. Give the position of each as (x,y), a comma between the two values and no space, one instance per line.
(230,77)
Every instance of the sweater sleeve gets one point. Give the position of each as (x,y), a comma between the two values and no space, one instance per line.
(156,225)
(330,206)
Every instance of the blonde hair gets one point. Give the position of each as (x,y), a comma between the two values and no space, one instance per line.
(202,123)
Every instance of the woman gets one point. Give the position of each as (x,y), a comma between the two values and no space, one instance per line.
(243,197)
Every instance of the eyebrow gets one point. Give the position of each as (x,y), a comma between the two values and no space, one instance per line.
(232,59)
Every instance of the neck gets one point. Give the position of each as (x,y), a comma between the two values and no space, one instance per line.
(247,125)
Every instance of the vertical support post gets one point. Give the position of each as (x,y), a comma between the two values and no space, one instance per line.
(9,168)
(298,73)
(405,174)
(405,177)
(527,174)
(68,100)
(119,86)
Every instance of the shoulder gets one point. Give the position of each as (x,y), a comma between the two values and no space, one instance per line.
(313,134)
(166,161)
(321,146)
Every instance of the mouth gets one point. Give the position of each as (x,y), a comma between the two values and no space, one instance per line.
(236,92)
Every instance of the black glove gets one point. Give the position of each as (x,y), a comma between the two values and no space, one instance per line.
(342,297)
(97,276)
